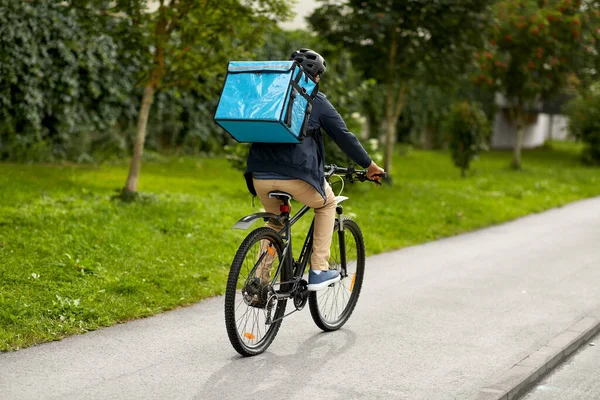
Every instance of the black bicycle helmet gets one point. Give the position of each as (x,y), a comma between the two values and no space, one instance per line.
(312,62)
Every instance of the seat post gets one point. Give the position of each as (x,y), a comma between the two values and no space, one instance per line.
(285,198)
(285,208)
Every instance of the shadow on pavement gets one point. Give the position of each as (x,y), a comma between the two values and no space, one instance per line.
(270,374)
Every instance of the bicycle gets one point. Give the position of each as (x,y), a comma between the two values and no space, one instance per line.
(265,294)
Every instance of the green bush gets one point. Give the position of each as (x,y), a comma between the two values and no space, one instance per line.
(183,121)
(468,130)
(60,78)
(68,89)
(584,124)
(237,154)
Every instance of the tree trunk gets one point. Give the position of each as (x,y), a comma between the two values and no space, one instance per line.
(394,108)
(520,126)
(390,140)
(140,139)
(427,139)
(550,126)
(394,103)
(152,85)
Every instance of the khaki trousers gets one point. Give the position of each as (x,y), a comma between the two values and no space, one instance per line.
(307,195)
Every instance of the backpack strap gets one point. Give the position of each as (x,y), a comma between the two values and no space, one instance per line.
(304,129)
(297,89)
(288,112)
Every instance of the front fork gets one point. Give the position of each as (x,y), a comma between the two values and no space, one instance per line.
(339,210)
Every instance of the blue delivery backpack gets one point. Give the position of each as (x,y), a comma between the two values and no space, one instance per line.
(266,101)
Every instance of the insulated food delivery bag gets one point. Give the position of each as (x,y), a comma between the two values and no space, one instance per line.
(266,101)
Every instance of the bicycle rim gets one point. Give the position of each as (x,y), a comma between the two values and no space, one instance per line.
(245,315)
(331,308)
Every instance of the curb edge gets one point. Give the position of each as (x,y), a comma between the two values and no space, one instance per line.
(525,374)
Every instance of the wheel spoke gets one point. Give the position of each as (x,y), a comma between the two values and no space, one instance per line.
(246,324)
(256,337)
(244,314)
(334,305)
(239,302)
(329,297)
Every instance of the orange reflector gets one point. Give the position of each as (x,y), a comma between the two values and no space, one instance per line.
(353,280)
(271,251)
(250,336)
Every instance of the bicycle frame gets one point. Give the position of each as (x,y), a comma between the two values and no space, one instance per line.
(296,269)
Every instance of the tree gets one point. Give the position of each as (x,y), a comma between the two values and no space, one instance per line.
(342,83)
(187,45)
(584,123)
(428,106)
(399,43)
(425,110)
(468,130)
(535,48)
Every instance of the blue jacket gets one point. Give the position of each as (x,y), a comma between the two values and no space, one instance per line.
(305,160)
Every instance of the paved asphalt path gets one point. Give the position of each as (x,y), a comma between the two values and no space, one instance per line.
(577,379)
(436,321)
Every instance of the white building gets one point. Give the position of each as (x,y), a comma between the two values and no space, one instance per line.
(543,127)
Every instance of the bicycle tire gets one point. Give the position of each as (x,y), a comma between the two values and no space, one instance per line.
(232,304)
(323,314)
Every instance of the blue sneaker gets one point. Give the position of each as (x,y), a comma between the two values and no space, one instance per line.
(322,280)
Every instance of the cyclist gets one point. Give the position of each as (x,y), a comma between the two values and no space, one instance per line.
(298,169)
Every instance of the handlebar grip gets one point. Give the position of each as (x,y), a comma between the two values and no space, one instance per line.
(360,175)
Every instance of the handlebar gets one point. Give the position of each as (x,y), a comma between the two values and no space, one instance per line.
(350,173)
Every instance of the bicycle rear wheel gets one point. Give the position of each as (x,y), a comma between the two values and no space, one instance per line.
(331,308)
(249,300)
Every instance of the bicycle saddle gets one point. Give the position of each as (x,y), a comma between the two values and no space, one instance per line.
(280,195)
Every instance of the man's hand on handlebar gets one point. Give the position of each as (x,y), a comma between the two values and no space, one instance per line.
(375,172)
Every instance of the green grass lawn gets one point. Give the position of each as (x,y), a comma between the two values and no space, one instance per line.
(73,260)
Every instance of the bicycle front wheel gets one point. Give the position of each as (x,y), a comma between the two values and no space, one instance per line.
(250,303)
(331,308)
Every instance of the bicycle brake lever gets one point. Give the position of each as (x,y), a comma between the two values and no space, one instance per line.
(350,171)
(377,183)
